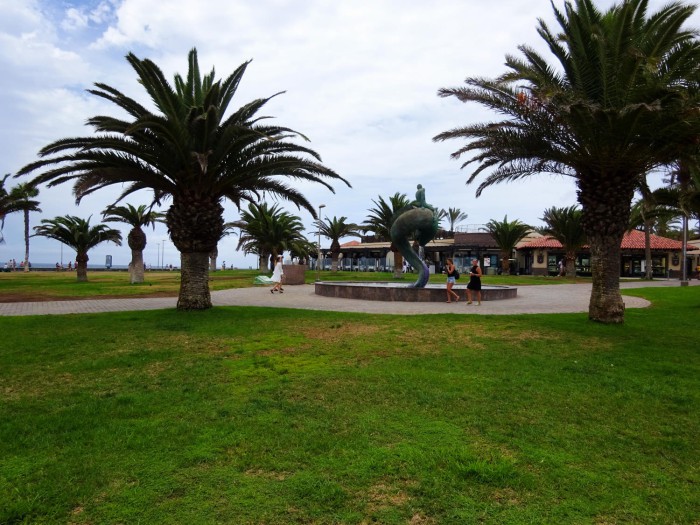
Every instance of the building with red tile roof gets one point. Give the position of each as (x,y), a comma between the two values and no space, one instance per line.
(541,255)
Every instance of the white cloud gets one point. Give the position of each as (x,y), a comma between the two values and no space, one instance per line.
(360,78)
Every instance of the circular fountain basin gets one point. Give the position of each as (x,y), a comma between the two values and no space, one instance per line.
(386,291)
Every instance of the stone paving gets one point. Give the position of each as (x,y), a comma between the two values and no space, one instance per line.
(554,298)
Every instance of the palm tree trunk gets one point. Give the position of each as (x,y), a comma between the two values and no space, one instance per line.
(212,259)
(26,240)
(505,263)
(606,305)
(136,271)
(606,199)
(398,265)
(647,251)
(571,265)
(81,260)
(334,261)
(194,283)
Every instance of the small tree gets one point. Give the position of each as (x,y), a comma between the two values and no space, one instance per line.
(267,232)
(380,220)
(507,234)
(566,226)
(229,229)
(455,216)
(77,233)
(335,230)
(136,218)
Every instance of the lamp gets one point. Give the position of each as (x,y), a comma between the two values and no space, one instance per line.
(318,260)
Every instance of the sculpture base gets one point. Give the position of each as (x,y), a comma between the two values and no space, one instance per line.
(384,291)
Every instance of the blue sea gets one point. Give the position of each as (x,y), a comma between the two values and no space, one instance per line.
(52,266)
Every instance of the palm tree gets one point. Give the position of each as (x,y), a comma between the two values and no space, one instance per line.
(189,151)
(380,220)
(566,226)
(268,231)
(229,229)
(615,105)
(335,229)
(454,216)
(507,235)
(23,197)
(683,196)
(303,249)
(136,218)
(8,204)
(77,233)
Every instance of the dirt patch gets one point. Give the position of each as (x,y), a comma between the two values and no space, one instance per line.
(39,298)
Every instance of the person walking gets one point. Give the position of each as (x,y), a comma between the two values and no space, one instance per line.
(277,275)
(451,279)
(474,282)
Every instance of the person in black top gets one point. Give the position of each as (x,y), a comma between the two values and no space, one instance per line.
(474,282)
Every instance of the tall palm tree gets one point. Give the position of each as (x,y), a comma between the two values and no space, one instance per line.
(267,231)
(619,101)
(8,204)
(380,220)
(335,229)
(23,197)
(143,216)
(566,226)
(77,233)
(229,229)
(188,150)
(455,216)
(507,235)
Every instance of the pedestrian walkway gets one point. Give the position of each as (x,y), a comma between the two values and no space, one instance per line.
(553,298)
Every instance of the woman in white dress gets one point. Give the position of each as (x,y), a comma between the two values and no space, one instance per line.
(277,276)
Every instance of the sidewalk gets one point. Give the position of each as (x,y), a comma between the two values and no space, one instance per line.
(553,298)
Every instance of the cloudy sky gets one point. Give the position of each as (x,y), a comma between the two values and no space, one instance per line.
(360,79)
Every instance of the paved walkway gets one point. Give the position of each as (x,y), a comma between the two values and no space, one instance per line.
(554,298)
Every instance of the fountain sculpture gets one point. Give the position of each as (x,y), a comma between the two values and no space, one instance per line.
(418,222)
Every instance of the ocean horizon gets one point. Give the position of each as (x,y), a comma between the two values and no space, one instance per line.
(52,266)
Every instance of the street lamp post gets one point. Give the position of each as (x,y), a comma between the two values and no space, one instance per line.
(318,259)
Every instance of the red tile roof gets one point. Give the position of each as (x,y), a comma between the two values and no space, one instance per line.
(633,240)
(350,243)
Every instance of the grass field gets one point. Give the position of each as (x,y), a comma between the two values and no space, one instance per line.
(47,286)
(274,416)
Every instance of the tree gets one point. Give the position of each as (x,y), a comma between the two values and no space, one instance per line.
(620,101)
(268,232)
(7,204)
(229,229)
(136,218)
(22,197)
(380,220)
(507,234)
(189,151)
(77,233)
(454,216)
(566,226)
(335,229)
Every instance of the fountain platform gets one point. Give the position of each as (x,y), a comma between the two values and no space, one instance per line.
(388,291)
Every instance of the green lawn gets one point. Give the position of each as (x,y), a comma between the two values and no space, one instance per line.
(42,286)
(275,416)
